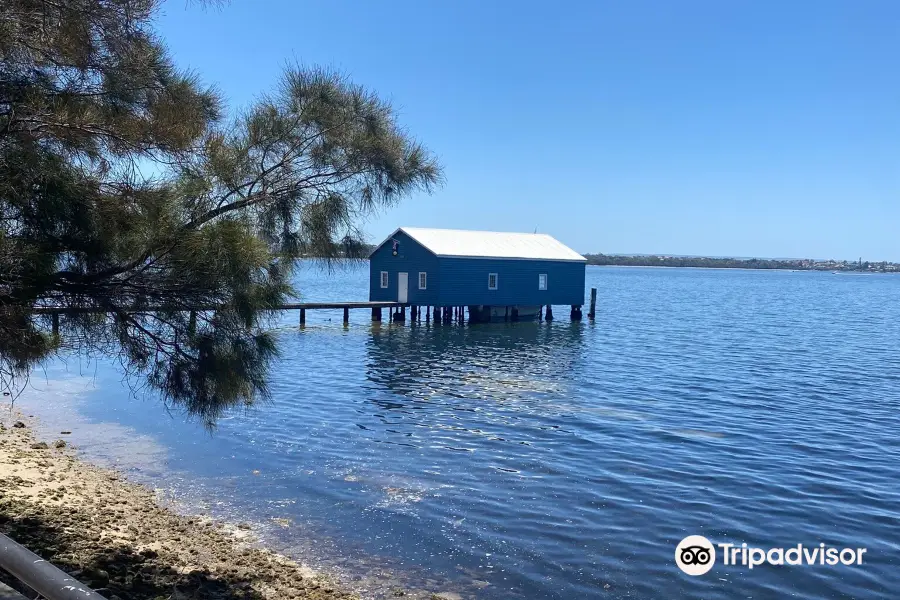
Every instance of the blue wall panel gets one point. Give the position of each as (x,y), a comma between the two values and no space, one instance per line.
(412,258)
(464,281)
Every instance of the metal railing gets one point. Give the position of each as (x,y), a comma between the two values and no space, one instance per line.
(41,576)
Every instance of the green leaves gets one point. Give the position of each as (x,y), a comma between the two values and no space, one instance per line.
(123,189)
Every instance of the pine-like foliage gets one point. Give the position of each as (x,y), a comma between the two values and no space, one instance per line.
(122,187)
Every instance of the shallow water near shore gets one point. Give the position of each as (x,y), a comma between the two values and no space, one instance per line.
(562,460)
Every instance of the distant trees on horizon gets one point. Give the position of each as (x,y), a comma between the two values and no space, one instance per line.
(737,263)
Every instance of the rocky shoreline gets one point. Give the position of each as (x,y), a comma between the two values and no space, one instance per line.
(114,536)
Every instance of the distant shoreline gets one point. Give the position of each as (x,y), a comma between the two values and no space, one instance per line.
(755,264)
(847,272)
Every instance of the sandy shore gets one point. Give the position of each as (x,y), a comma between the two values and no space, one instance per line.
(115,537)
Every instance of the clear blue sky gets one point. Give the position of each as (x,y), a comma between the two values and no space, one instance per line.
(727,128)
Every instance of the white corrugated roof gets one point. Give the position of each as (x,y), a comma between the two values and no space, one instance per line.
(492,244)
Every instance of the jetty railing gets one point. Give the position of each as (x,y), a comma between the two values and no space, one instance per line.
(447,313)
(55,311)
(41,576)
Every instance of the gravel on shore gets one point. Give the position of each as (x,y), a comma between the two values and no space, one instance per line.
(115,537)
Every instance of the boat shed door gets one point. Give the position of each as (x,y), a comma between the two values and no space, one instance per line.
(402,287)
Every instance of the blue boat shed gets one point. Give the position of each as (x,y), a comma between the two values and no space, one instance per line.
(496,275)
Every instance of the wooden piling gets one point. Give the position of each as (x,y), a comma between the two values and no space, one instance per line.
(549,316)
(514,314)
(593,310)
(427,314)
(346,315)
(55,323)
(540,313)
(303,316)
(575,315)
(376,314)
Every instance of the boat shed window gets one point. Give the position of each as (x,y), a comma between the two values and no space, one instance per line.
(384,279)
(423,280)
(492,281)
(542,281)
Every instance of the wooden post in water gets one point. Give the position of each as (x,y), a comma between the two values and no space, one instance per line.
(192,322)
(576,312)
(540,313)
(376,314)
(593,310)
(428,314)
(549,313)
(346,315)
(302,317)
(56,323)
(514,315)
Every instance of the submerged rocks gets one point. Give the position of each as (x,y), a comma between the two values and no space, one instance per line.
(113,536)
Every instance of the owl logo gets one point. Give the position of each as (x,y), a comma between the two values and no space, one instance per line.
(695,555)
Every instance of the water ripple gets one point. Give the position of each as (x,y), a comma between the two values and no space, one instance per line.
(567,460)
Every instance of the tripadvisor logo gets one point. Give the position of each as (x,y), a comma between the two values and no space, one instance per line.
(696,555)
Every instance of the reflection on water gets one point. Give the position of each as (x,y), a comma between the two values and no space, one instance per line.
(566,460)
(501,362)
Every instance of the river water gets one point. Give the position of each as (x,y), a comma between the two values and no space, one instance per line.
(562,460)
